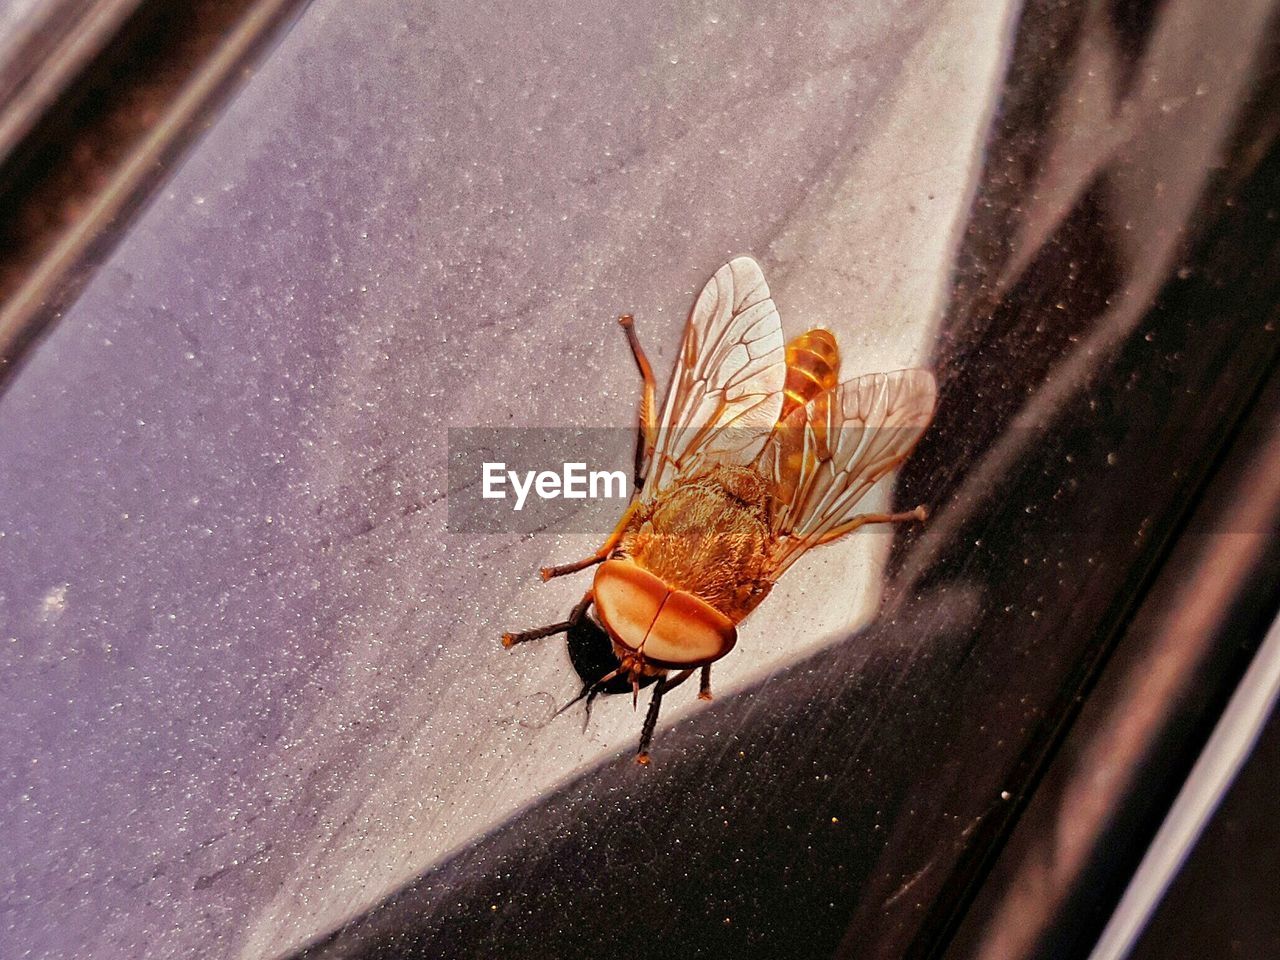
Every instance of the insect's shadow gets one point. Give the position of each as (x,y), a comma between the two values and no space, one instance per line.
(592,656)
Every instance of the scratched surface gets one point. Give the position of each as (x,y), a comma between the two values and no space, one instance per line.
(254,684)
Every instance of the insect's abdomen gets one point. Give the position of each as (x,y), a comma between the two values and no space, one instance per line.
(813,367)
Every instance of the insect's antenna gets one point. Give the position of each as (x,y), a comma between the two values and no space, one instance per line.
(595,692)
(586,689)
(589,691)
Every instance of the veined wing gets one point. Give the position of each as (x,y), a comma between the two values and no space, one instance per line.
(726,391)
(827,454)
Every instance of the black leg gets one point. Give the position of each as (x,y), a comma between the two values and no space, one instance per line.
(651,720)
(704,687)
(679,678)
(537,633)
(589,691)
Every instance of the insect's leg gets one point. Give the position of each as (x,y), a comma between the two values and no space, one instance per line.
(537,633)
(704,685)
(919,514)
(651,720)
(678,679)
(600,555)
(648,435)
(589,691)
(596,688)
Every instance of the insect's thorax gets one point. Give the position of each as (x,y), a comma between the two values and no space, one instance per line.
(709,536)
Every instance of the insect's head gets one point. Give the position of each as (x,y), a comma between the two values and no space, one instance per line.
(653,625)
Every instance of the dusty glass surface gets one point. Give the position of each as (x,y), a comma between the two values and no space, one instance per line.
(257,679)
(251,629)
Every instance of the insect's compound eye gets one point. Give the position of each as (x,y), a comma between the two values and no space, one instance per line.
(673,628)
(628,600)
(688,633)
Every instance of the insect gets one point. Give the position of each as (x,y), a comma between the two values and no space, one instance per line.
(759,455)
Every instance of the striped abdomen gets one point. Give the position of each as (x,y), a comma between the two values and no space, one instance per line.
(813,367)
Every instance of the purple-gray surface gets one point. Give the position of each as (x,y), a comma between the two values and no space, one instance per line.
(251,681)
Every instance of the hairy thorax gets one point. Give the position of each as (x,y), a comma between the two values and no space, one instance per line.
(709,536)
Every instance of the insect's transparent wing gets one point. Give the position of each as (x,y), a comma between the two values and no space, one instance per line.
(726,392)
(827,454)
